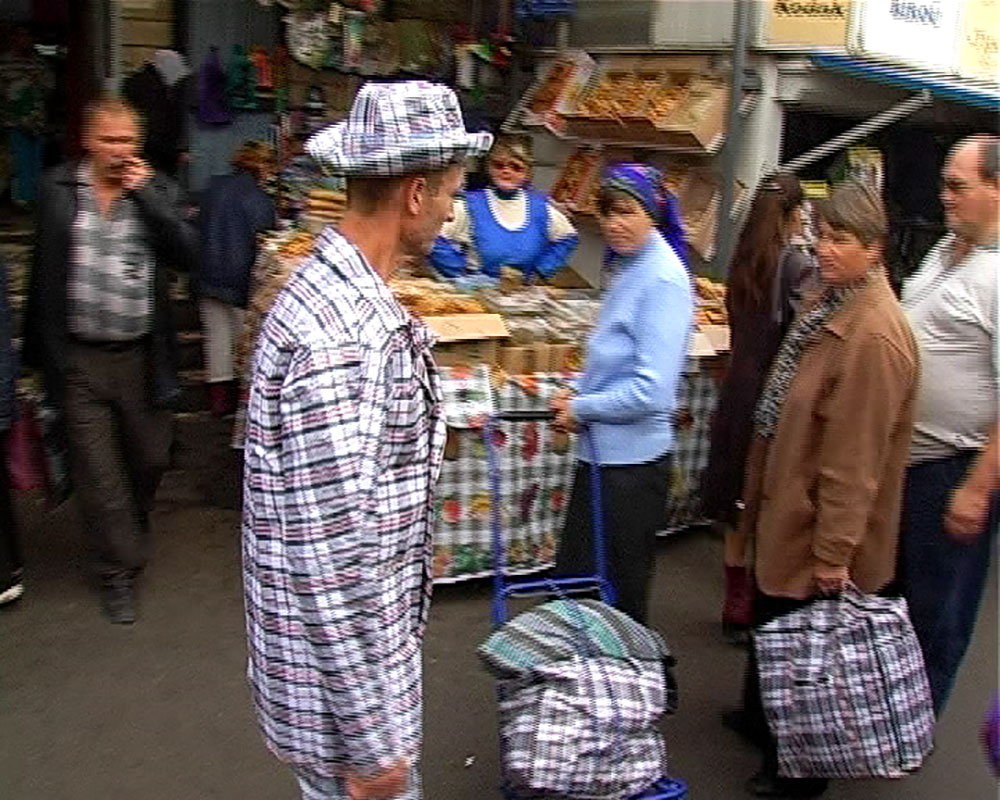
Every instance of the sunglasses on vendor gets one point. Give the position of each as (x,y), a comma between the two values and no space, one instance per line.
(508,164)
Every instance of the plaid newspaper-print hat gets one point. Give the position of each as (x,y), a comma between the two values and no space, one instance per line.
(397,129)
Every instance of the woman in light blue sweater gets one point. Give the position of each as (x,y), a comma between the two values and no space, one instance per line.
(629,388)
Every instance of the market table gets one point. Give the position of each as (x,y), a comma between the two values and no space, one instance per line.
(537,470)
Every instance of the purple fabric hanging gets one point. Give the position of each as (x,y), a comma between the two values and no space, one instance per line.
(213,109)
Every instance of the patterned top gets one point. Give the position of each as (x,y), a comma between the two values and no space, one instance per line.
(110,286)
(345,438)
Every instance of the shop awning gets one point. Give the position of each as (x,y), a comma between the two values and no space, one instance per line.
(941,86)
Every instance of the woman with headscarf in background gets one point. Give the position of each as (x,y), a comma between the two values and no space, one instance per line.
(507,224)
(767,275)
(629,387)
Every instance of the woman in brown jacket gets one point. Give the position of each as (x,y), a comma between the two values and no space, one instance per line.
(831,440)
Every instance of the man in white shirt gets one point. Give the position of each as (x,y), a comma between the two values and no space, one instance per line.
(950,511)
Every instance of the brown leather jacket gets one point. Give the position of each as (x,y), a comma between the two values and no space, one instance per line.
(828,485)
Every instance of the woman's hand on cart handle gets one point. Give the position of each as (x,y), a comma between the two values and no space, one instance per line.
(562,404)
(830,579)
(382,786)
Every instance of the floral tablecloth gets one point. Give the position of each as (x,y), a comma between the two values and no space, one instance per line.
(536,470)
(693,421)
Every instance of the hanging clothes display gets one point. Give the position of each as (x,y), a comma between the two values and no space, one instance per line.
(157,91)
(213,105)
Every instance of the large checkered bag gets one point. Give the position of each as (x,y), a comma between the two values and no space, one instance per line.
(560,629)
(844,688)
(584,727)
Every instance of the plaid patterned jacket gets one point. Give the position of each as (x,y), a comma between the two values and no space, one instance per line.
(345,438)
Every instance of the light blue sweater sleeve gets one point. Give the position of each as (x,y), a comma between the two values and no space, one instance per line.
(661,327)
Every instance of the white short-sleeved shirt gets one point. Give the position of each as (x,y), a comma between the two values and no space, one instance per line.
(953,312)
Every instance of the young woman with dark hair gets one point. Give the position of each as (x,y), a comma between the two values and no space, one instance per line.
(767,275)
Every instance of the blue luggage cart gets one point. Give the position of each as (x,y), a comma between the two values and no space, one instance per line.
(504,588)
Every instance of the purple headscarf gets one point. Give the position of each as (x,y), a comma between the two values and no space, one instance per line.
(645,184)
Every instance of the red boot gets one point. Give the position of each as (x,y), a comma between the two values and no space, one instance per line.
(737,610)
(221,399)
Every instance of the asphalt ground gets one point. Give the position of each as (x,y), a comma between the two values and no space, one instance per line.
(160,710)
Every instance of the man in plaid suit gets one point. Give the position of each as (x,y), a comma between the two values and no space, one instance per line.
(345,437)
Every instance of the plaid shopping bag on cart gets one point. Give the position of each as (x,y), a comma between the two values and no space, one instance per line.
(844,688)
(584,727)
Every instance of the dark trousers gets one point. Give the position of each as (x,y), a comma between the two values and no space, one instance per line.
(119,447)
(941,578)
(765,609)
(11,561)
(634,498)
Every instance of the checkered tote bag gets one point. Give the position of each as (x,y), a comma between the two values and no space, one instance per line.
(585,728)
(844,688)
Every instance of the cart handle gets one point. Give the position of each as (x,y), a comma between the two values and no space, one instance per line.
(538,415)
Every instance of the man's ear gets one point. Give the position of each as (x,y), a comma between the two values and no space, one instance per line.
(415,194)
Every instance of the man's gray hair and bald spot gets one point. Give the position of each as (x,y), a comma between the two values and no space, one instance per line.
(989,154)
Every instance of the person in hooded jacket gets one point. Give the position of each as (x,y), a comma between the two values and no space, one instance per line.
(234,209)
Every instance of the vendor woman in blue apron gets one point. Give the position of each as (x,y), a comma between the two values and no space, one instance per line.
(508,224)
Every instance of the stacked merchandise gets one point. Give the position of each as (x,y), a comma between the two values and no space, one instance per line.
(711,308)
(280,255)
(524,330)
(674,101)
(323,207)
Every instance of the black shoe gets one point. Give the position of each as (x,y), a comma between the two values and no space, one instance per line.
(739,722)
(736,633)
(118,602)
(763,785)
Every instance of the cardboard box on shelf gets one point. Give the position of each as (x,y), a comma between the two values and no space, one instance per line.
(556,89)
(699,199)
(516,360)
(559,356)
(540,356)
(575,179)
(467,339)
(718,337)
(701,119)
(700,346)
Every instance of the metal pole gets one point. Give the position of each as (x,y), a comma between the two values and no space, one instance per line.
(731,152)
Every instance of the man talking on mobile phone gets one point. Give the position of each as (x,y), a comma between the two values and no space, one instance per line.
(100,329)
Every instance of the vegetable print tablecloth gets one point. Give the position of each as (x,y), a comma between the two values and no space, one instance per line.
(536,470)
(536,467)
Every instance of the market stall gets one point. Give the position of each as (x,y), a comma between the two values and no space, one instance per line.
(502,345)
(669,110)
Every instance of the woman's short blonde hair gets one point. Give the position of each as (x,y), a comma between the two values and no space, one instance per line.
(856,209)
(516,147)
(255,157)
